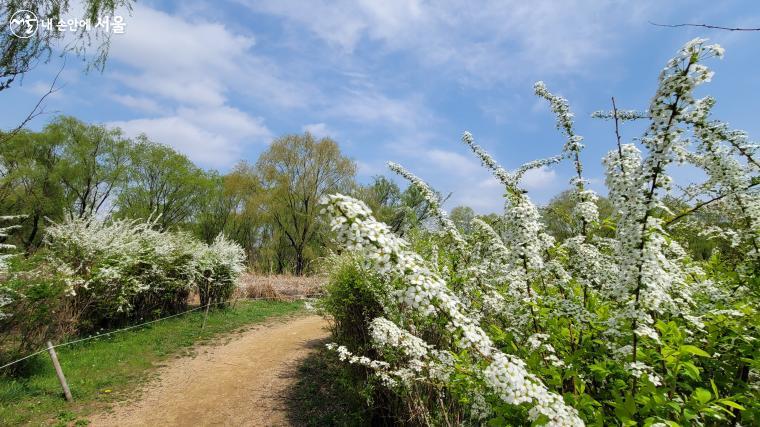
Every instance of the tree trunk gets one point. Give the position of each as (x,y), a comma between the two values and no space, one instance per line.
(300,262)
(33,234)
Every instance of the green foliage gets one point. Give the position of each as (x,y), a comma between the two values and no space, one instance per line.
(93,163)
(36,309)
(403,211)
(161,183)
(351,300)
(94,275)
(69,170)
(20,55)
(462,217)
(711,381)
(557,216)
(295,172)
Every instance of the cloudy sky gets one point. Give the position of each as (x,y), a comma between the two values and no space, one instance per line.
(395,80)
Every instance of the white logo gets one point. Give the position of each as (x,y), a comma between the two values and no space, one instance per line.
(23,24)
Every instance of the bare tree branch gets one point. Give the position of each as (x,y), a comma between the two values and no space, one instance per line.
(712,27)
(39,108)
(700,205)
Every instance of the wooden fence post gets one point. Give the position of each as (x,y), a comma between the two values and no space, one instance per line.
(59,372)
(205,316)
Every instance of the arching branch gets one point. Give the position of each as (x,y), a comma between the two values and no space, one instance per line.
(712,27)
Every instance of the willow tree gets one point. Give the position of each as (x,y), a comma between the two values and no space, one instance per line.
(93,163)
(161,183)
(295,172)
(21,54)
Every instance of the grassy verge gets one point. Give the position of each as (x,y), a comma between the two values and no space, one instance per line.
(107,369)
(326,393)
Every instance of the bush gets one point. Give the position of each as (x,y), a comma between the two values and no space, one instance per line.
(37,308)
(123,269)
(95,274)
(351,301)
(622,328)
(218,266)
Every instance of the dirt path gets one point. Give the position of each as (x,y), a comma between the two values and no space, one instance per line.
(242,382)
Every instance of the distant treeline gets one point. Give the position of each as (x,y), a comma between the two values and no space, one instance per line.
(72,169)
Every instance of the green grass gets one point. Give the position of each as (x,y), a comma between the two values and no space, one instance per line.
(107,369)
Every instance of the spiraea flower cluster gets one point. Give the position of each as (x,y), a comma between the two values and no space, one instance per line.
(5,248)
(603,326)
(116,262)
(426,293)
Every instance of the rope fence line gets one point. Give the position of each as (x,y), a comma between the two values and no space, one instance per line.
(139,325)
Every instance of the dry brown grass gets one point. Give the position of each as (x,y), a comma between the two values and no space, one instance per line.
(281,287)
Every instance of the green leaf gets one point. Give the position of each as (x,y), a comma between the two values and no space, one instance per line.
(714,388)
(691,370)
(732,404)
(687,348)
(702,395)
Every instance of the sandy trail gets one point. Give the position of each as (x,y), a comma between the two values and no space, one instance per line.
(240,383)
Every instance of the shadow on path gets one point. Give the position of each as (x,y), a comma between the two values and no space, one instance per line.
(323,394)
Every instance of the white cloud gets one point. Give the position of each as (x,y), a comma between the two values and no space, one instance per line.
(371,106)
(485,40)
(185,70)
(182,71)
(214,140)
(368,169)
(539,179)
(451,162)
(201,91)
(140,103)
(39,89)
(228,121)
(177,59)
(481,192)
(319,130)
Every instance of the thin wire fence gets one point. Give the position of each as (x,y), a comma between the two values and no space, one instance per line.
(105,334)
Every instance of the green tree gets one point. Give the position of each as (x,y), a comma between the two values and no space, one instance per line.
(295,172)
(231,206)
(462,216)
(384,197)
(20,55)
(93,163)
(557,215)
(30,183)
(400,210)
(161,183)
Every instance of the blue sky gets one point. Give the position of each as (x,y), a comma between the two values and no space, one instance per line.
(396,80)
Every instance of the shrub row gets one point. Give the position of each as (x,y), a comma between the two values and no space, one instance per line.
(94,275)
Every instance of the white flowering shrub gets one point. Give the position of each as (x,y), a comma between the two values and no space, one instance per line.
(123,267)
(514,327)
(217,267)
(93,274)
(131,267)
(5,254)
